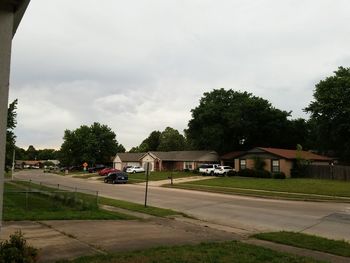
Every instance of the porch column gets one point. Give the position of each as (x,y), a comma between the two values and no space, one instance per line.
(6,29)
(11,13)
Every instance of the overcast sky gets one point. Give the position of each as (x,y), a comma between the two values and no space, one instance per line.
(140,65)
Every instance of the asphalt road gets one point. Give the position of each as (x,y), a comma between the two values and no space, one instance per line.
(248,213)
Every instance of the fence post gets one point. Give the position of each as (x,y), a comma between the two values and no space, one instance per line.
(26,200)
(30,184)
(58,186)
(97,199)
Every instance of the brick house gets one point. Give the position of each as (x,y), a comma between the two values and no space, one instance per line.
(277,160)
(166,161)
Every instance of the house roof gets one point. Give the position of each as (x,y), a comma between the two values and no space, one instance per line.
(231,155)
(130,157)
(293,154)
(199,156)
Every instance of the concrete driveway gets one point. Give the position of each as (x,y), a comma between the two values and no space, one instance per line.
(250,214)
(73,238)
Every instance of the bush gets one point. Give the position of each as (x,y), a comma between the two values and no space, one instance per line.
(254,173)
(246,173)
(196,171)
(16,250)
(279,175)
(231,173)
(262,174)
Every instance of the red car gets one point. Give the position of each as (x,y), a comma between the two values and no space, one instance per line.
(106,171)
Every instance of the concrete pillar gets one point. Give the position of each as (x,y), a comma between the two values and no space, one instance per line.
(6,33)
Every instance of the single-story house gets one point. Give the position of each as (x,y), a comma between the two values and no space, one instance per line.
(127,159)
(277,160)
(29,164)
(229,158)
(166,161)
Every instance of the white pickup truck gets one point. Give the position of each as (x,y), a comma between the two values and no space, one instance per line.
(207,169)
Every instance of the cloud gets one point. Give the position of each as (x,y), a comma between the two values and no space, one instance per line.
(140,66)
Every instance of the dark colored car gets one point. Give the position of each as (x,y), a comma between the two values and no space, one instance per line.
(116,177)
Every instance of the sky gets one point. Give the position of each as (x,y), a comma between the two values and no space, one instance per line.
(139,66)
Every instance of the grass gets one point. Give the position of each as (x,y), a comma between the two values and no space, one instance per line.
(157,176)
(155,211)
(8,175)
(19,205)
(336,247)
(225,252)
(85,175)
(303,188)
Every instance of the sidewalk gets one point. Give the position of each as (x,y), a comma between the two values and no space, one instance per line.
(177,180)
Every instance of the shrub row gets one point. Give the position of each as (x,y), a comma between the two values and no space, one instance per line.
(260,174)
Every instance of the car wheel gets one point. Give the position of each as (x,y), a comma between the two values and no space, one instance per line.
(134,172)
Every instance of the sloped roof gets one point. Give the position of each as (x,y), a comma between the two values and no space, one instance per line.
(292,154)
(130,157)
(199,156)
(231,155)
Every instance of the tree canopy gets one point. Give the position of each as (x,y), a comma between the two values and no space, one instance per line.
(171,140)
(330,114)
(10,135)
(95,144)
(168,140)
(227,120)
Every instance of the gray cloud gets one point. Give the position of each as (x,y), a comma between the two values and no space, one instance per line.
(139,65)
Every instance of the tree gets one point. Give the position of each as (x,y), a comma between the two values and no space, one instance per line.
(10,136)
(330,114)
(171,140)
(96,144)
(31,153)
(228,120)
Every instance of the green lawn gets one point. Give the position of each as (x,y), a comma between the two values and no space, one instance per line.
(19,205)
(157,176)
(8,175)
(85,175)
(242,185)
(337,247)
(225,252)
(161,212)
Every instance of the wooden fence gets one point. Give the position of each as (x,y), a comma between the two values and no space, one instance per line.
(336,172)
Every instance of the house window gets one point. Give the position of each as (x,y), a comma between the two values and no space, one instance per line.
(242,164)
(188,166)
(275,166)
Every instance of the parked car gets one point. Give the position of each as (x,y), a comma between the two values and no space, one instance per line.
(135,169)
(116,177)
(222,170)
(126,168)
(207,169)
(96,168)
(106,171)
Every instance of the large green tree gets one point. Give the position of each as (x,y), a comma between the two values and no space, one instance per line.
(330,114)
(151,143)
(171,140)
(228,120)
(10,135)
(95,144)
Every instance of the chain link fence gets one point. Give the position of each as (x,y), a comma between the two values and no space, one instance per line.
(28,195)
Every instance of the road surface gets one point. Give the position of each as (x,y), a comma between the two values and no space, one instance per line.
(247,213)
